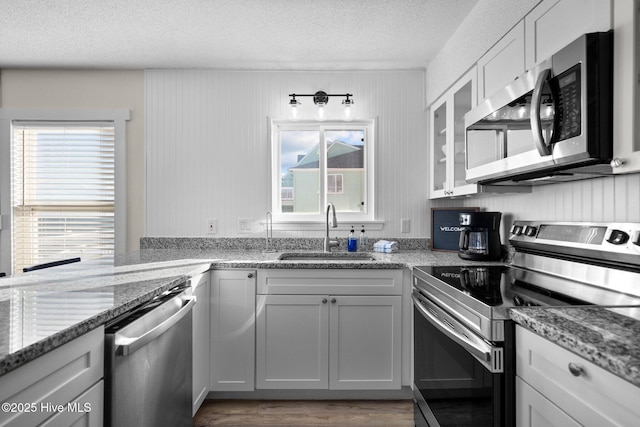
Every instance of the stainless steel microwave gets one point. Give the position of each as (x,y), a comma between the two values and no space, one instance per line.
(554,123)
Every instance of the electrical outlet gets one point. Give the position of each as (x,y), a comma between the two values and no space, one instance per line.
(212,226)
(245,225)
(405,225)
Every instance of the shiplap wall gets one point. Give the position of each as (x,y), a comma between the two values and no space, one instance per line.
(207,144)
(608,199)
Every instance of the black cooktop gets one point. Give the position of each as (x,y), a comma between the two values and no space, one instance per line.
(495,286)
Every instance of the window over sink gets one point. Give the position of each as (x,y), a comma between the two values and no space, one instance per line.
(316,163)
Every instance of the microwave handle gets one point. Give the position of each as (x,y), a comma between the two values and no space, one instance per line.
(536,123)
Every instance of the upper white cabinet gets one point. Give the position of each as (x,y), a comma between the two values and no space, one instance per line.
(447,133)
(626,86)
(502,63)
(555,387)
(555,23)
(233,310)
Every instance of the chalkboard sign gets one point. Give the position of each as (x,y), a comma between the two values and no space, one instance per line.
(445,228)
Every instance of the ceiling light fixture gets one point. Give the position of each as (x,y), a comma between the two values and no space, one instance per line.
(320,99)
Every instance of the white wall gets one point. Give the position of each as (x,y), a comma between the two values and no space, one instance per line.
(86,89)
(207,144)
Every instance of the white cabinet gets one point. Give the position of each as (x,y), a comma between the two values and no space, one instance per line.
(314,332)
(504,62)
(233,297)
(201,328)
(59,387)
(553,24)
(364,342)
(327,341)
(626,85)
(447,139)
(292,341)
(555,387)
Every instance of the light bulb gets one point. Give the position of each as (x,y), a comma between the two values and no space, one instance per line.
(321,112)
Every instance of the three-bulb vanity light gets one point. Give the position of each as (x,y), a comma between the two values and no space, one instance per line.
(321,99)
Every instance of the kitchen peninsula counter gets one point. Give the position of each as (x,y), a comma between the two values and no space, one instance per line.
(85,295)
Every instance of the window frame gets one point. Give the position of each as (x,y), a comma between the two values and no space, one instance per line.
(8,116)
(308,220)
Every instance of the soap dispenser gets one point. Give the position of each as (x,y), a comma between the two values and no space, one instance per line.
(352,242)
(362,240)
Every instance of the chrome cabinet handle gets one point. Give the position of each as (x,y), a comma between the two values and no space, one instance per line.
(333,300)
(250,275)
(575,369)
(324,300)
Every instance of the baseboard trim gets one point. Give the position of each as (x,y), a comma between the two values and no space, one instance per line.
(400,394)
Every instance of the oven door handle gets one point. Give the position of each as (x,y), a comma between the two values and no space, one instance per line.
(489,356)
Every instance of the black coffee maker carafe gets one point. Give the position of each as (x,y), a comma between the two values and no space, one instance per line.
(480,236)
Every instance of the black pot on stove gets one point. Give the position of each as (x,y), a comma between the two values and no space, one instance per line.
(480,236)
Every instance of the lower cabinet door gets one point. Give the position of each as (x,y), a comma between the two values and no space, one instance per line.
(292,339)
(364,342)
(86,410)
(535,410)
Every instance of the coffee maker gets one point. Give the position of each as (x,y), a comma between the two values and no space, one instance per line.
(480,236)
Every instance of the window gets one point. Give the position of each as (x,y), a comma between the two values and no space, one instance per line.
(63,191)
(314,164)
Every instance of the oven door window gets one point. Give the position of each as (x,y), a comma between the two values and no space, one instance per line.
(457,388)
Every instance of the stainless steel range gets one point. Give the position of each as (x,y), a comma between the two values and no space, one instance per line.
(463,338)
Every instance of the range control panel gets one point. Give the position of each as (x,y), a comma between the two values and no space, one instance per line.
(608,237)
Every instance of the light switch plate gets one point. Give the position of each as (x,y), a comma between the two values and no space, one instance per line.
(245,225)
(405,225)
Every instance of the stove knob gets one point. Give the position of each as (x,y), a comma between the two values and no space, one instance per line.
(618,237)
(516,230)
(530,231)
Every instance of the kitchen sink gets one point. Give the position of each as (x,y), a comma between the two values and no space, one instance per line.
(326,256)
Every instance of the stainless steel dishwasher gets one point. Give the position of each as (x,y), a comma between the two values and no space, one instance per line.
(148,363)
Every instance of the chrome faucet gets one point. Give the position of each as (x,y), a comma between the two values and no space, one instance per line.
(328,243)
(269,227)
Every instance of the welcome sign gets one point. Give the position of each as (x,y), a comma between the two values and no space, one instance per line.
(445,228)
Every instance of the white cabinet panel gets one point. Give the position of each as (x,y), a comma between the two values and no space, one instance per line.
(56,378)
(555,23)
(335,282)
(502,63)
(593,397)
(86,410)
(365,334)
(292,342)
(535,410)
(201,333)
(233,295)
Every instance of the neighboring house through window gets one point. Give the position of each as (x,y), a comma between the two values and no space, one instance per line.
(319,163)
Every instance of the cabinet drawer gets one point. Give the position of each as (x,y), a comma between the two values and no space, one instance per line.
(56,378)
(595,397)
(334,282)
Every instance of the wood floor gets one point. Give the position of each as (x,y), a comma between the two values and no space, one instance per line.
(305,413)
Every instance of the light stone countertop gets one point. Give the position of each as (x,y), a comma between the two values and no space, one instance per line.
(609,338)
(93,294)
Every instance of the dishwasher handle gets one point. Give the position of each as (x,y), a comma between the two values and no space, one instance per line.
(128,345)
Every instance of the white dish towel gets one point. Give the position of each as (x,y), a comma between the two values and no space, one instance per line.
(385,246)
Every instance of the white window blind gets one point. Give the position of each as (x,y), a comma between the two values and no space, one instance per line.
(63,190)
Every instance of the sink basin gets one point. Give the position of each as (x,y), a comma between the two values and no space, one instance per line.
(326,256)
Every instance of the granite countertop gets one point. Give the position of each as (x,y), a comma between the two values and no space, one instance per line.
(607,337)
(85,295)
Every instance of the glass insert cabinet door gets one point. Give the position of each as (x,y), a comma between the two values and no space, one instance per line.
(447,139)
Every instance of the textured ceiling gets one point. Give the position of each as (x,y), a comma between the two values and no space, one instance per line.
(230,34)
